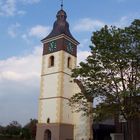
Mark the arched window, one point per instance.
(51, 61)
(47, 135)
(69, 62)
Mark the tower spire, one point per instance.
(62, 4)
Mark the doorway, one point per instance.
(47, 135)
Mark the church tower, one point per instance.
(55, 119)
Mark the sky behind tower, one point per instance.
(23, 23)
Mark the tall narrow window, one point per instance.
(51, 61)
(69, 62)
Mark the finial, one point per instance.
(61, 4)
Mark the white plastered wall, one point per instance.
(50, 85)
(49, 110)
(82, 128)
(45, 63)
(67, 115)
(51, 79)
(56, 81)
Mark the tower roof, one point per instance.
(61, 26)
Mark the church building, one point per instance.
(55, 118)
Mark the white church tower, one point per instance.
(55, 119)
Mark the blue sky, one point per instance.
(23, 23)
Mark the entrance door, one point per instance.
(47, 135)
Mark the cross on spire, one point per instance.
(61, 4)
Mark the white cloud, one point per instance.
(126, 20)
(21, 68)
(84, 43)
(30, 1)
(19, 87)
(26, 38)
(13, 30)
(82, 55)
(39, 31)
(88, 24)
(9, 7)
(21, 12)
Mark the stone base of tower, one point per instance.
(55, 131)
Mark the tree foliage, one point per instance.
(111, 72)
(15, 131)
(29, 130)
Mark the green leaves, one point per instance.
(112, 71)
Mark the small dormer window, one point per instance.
(51, 61)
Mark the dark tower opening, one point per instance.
(69, 62)
(48, 120)
(51, 61)
(47, 135)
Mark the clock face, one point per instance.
(69, 47)
(52, 46)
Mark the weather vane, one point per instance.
(61, 4)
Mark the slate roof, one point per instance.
(61, 26)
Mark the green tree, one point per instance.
(29, 130)
(112, 74)
(13, 129)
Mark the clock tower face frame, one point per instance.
(58, 45)
(69, 47)
(52, 46)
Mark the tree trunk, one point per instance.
(91, 119)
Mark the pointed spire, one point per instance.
(61, 26)
(62, 5)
